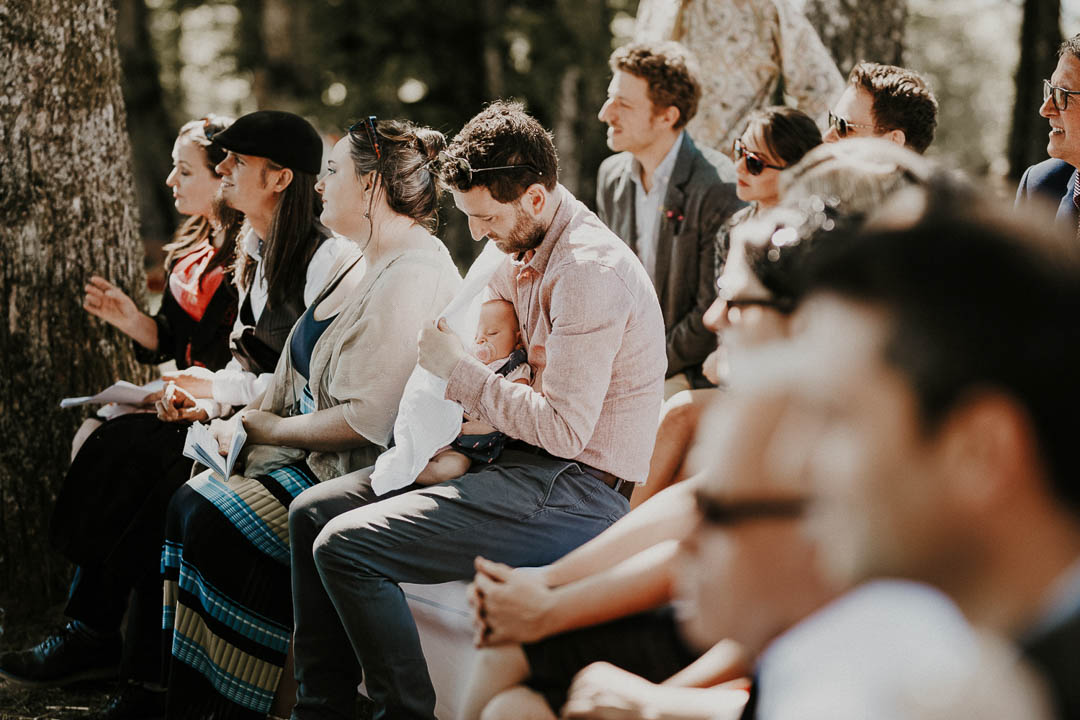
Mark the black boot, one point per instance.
(133, 702)
(72, 655)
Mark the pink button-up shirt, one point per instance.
(592, 325)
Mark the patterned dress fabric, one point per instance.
(746, 49)
(228, 617)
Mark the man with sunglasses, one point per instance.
(1055, 180)
(885, 101)
(585, 430)
(665, 197)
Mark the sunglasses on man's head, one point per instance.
(373, 135)
(843, 125)
(459, 173)
(728, 512)
(755, 165)
(1059, 94)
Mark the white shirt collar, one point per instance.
(1060, 602)
(663, 171)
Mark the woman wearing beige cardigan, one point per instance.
(329, 410)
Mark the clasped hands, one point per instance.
(510, 605)
(177, 402)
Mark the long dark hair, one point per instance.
(294, 235)
(199, 228)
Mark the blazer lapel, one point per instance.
(674, 202)
(1067, 213)
(625, 207)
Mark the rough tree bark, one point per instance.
(67, 208)
(1040, 36)
(855, 30)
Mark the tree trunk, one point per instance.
(1040, 36)
(67, 208)
(855, 30)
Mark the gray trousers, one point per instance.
(350, 550)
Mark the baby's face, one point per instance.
(497, 331)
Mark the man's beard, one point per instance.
(219, 198)
(526, 234)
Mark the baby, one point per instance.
(497, 345)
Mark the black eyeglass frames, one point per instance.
(1060, 95)
(843, 125)
(755, 165)
(373, 135)
(727, 512)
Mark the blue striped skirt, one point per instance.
(228, 601)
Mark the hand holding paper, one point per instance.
(177, 405)
(203, 446)
(121, 392)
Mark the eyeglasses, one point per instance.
(726, 513)
(842, 125)
(782, 305)
(1060, 95)
(459, 173)
(755, 165)
(373, 135)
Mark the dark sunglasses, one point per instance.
(1060, 95)
(373, 135)
(843, 125)
(754, 163)
(726, 513)
(782, 305)
(458, 172)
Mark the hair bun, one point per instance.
(431, 142)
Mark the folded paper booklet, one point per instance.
(202, 447)
(121, 392)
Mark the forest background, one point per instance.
(93, 91)
(77, 161)
(437, 63)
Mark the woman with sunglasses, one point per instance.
(775, 138)
(328, 410)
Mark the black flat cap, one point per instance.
(287, 139)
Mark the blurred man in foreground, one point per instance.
(943, 421)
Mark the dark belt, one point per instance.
(614, 482)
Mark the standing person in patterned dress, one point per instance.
(750, 48)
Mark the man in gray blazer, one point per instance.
(665, 197)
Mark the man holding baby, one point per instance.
(580, 435)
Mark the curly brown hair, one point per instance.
(671, 72)
(902, 100)
(501, 136)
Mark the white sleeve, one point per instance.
(323, 261)
(235, 386)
